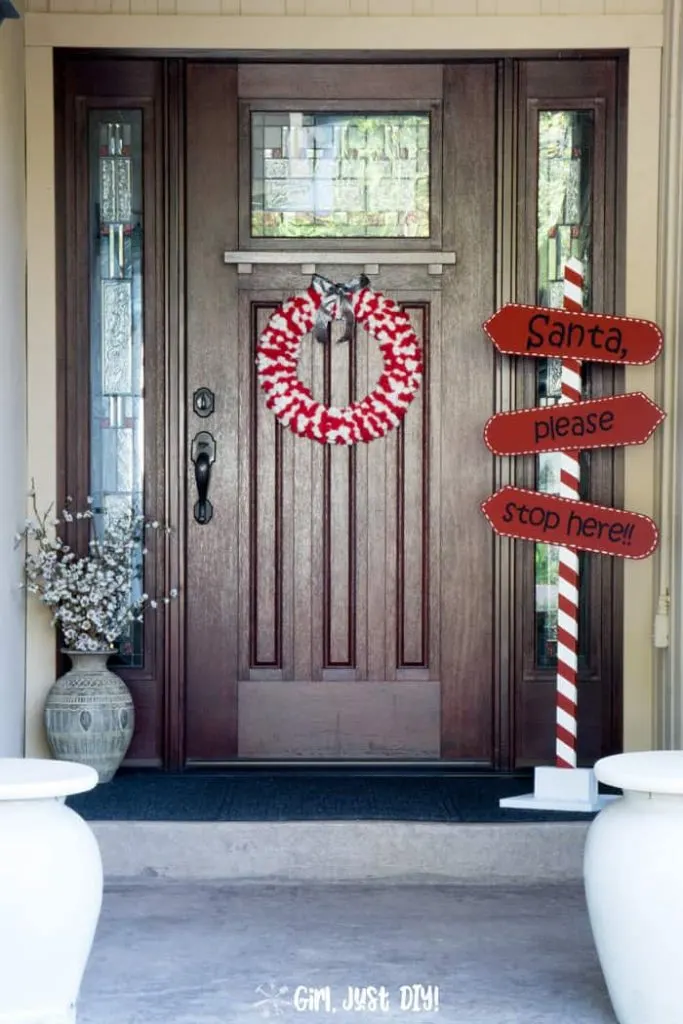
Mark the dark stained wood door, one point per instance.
(339, 600)
(341, 604)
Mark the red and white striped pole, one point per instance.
(568, 595)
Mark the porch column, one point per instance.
(668, 632)
(12, 382)
(42, 358)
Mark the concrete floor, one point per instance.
(174, 953)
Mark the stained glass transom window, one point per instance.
(340, 175)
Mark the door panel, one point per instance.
(319, 588)
(334, 542)
(469, 722)
(211, 589)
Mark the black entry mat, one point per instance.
(308, 796)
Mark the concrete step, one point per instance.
(343, 851)
(206, 953)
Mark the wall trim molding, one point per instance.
(433, 34)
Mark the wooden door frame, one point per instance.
(599, 89)
(166, 493)
(81, 85)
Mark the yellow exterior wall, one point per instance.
(239, 26)
(12, 382)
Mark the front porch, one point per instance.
(228, 891)
(217, 953)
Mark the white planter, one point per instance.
(50, 890)
(633, 873)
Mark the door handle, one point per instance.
(202, 474)
(203, 456)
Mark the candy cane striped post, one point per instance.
(568, 597)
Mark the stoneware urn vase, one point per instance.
(633, 874)
(50, 890)
(89, 714)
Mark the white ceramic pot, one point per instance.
(50, 890)
(633, 873)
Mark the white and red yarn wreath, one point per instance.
(364, 420)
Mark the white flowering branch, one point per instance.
(90, 596)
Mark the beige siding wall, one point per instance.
(12, 382)
(334, 8)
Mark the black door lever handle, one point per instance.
(203, 456)
(202, 474)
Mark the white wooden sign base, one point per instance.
(561, 789)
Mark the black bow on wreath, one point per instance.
(336, 305)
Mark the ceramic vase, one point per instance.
(50, 891)
(89, 714)
(633, 873)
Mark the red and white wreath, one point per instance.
(290, 399)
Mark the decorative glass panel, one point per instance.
(564, 224)
(116, 338)
(339, 175)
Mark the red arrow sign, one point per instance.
(528, 515)
(598, 423)
(519, 330)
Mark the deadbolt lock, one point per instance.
(203, 402)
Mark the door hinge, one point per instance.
(661, 630)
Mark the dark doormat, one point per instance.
(281, 795)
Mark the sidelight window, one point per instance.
(116, 319)
(564, 228)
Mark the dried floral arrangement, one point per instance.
(92, 596)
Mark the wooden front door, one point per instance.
(340, 603)
(339, 600)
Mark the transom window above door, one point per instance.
(358, 172)
(340, 175)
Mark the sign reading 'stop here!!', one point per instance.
(517, 329)
(549, 519)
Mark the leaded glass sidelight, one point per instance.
(116, 320)
(564, 226)
(340, 175)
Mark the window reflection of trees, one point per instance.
(564, 229)
(340, 175)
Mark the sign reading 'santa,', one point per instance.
(529, 515)
(519, 330)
